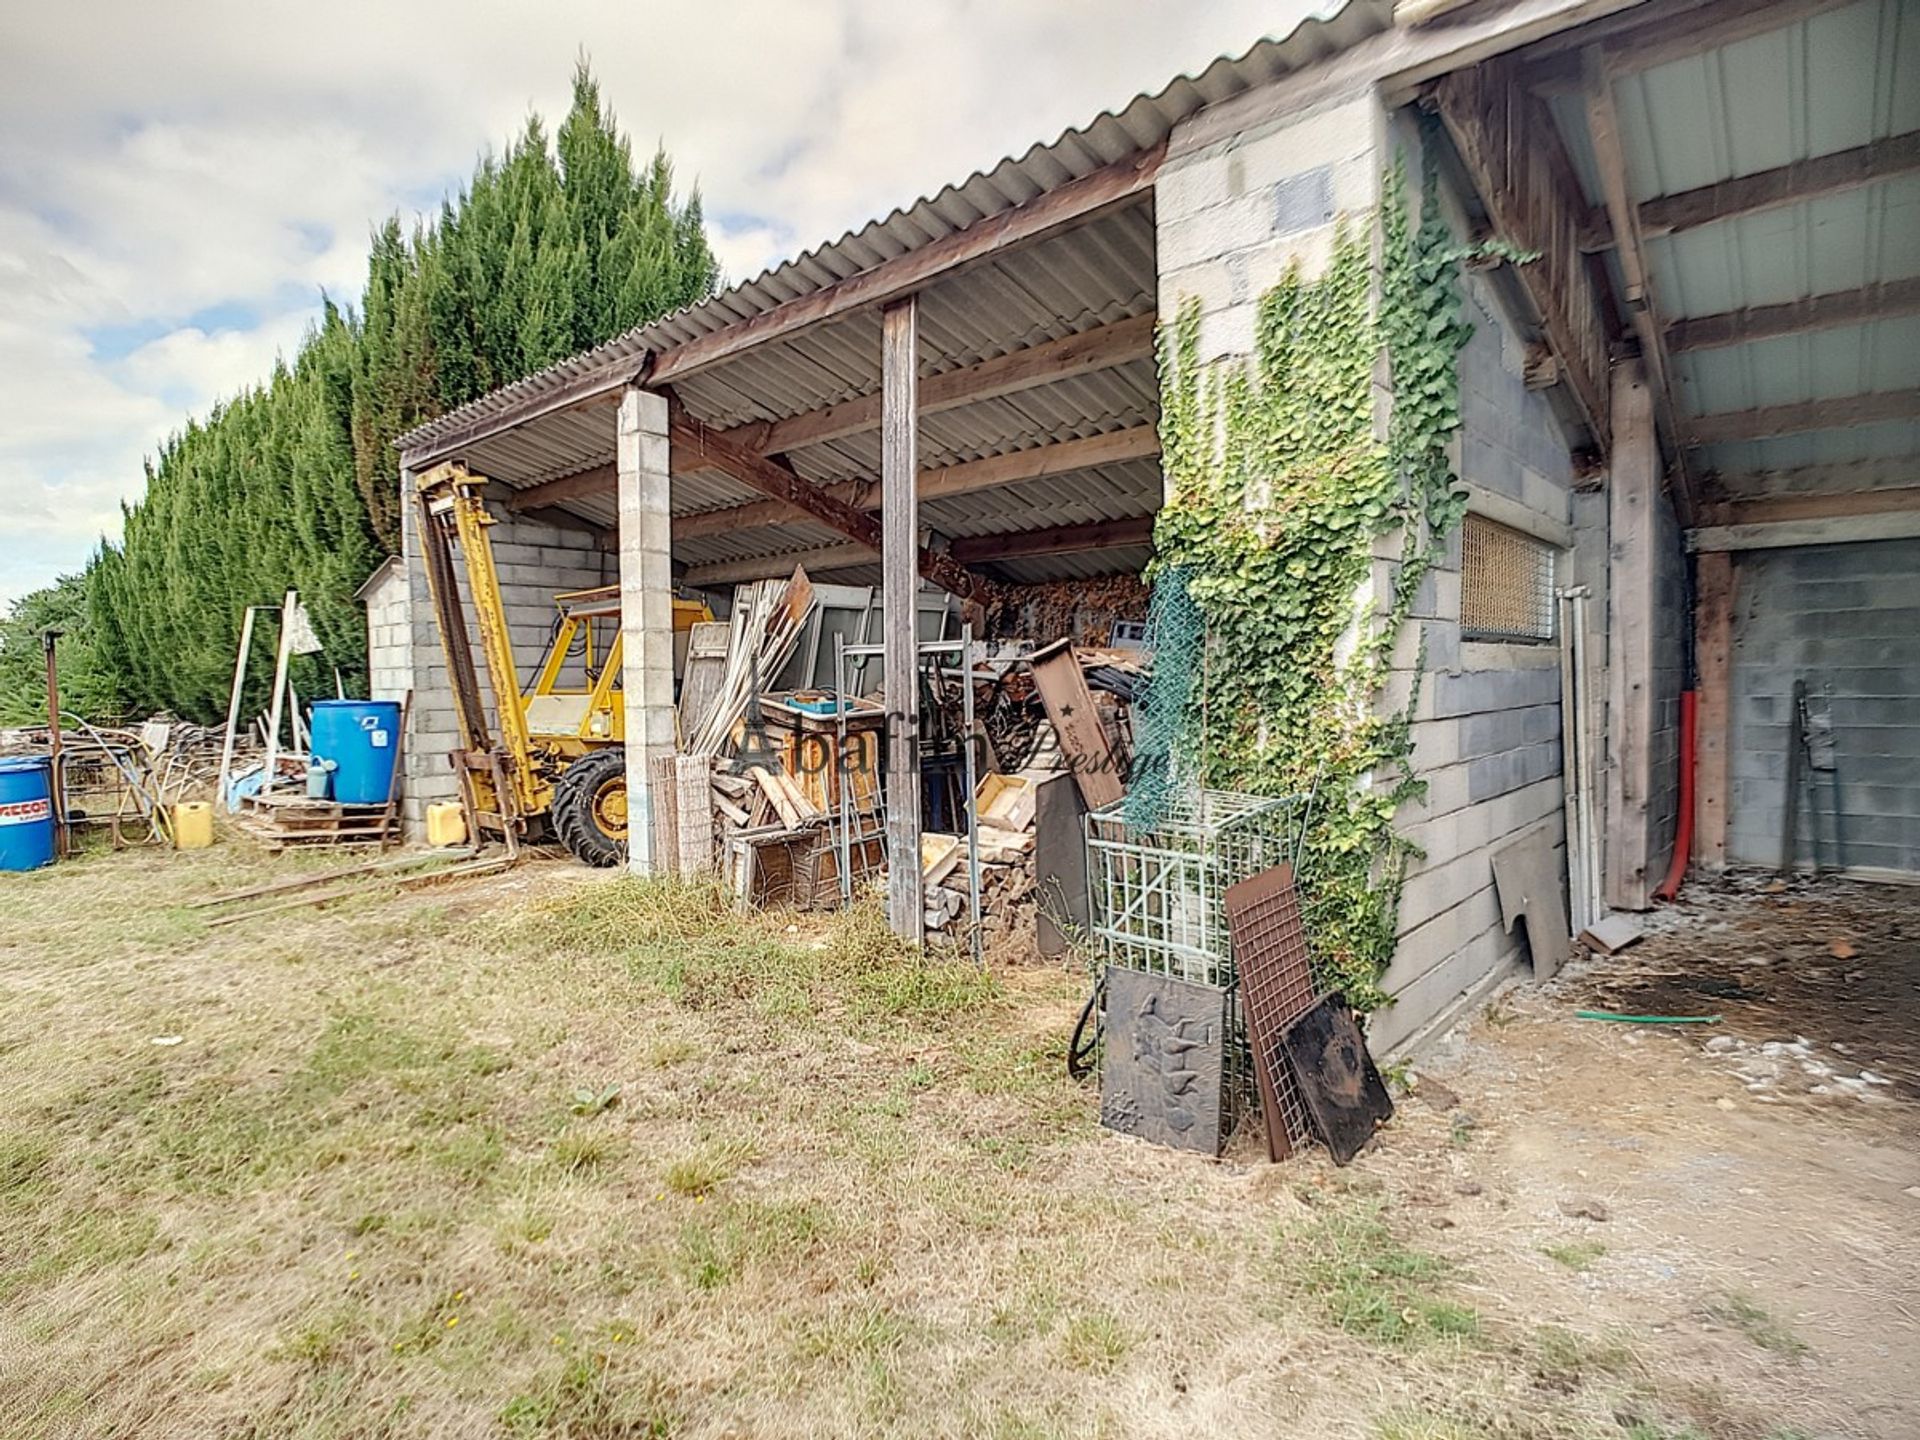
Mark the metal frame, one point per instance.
(963, 647)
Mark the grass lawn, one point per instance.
(557, 1154)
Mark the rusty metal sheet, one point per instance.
(1083, 740)
(1276, 988)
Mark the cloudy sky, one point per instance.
(180, 182)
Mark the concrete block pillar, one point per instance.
(1254, 187)
(646, 606)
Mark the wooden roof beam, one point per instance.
(709, 449)
(600, 480)
(1785, 185)
(1101, 348)
(1057, 540)
(1603, 127)
(1767, 421)
(1776, 509)
(1136, 443)
(1659, 34)
(1795, 317)
(1072, 204)
(970, 550)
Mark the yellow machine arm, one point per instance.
(452, 512)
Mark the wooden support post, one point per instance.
(643, 456)
(1713, 651)
(900, 576)
(1634, 490)
(281, 656)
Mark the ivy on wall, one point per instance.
(1279, 493)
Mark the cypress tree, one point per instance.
(550, 248)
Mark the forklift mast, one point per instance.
(500, 780)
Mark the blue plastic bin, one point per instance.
(360, 738)
(26, 812)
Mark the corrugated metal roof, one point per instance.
(1143, 122)
(1827, 83)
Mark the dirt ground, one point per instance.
(553, 1154)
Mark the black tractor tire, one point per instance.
(590, 808)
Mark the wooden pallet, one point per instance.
(283, 820)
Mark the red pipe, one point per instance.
(1683, 829)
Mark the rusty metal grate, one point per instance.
(1276, 988)
(1506, 582)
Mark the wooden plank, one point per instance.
(1770, 420)
(1138, 442)
(1509, 145)
(1796, 317)
(1076, 720)
(899, 469)
(1713, 651)
(1633, 491)
(1840, 530)
(1785, 185)
(1603, 129)
(709, 449)
(1090, 351)
(770, 567)
(1056, 540)
(1659, 34)
(598, 480)
(1074, 203)
(1093, 350)
(1772, 509)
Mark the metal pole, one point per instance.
(973, 819)
(284, 654)
(843, 831)
(56, 782)
(1796, 741)
(233, 703)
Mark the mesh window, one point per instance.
(1506, 583)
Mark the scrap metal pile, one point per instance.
(781, 790)
(125, 780)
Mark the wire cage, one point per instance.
(1157, 896)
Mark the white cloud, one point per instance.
(179, 183)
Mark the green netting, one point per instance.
(1165, 730)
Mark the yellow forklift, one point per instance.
(558, 767)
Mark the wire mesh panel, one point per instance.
(1506, 582)
(1276, 988)
(1157, 896)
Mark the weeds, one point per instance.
(1747, 1315)
(1576, 1255)
(1370, 1284)
(686, 939)
(1095, 1343)
(697, 1174)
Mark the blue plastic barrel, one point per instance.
(26, 812)
(360, 737)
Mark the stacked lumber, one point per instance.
(768, 621)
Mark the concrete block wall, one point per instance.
(389, 636)
(535, 561)
(1487, 729)
(1846, 619)
(1233, 214)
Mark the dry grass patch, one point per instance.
(559, 1154)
